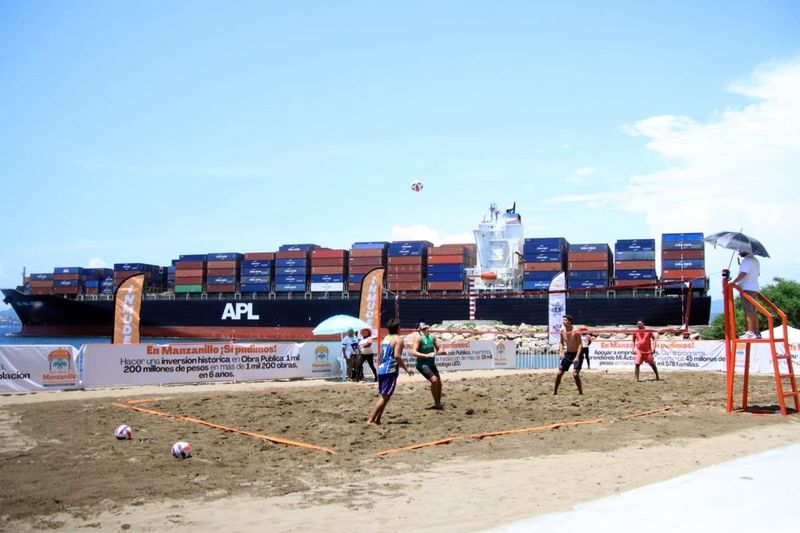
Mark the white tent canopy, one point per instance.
(794, 333)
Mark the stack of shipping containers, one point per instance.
(95, 278)
(407, 261)
(365, 256)
(68, 281)
(256, 272)
(543, 259)
(153, 275)
(635, 262)
(328, 270)
(446, 267)
(683, 259)
(590, 265)
(222, 272)
(40, 283)
(292, 267)
(190, 274)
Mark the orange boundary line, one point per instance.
(448, 440)
(651, 412)
(275, 440)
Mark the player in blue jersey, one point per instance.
(389, 359)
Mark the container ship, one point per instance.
(502, 276)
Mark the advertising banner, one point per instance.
(371, 294)
(557, 303)
(156, 364)
(127, 305)
(35, 368)
(506, 354)
(461, 355)
(677, 354)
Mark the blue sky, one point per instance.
(138, 131)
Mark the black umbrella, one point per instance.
(734, 240)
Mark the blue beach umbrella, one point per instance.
(340, 324)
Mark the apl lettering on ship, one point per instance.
(502, 276)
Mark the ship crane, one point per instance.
(499, 242)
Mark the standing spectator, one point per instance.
(351, 354)
(569, 345)
(389, 359)
(644, 349)
(747, 280)
(586, 340)
(367, 352)
(425, 349)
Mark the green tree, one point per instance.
(783, 293)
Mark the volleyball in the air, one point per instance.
(181, 450)
(416, 185)
(123, 432)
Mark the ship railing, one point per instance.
(537, 357)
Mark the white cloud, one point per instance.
(3, 275)
(96, 262)
(738, 170)
(421, 232)
(579, 177)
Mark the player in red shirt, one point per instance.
(644, 348)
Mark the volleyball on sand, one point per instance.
(182, 450)
(123, 432)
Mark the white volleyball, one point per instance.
(123, 432)
(416, 185)
(182, 450)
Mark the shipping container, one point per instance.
(327, 278)
(327, 253)
(355, 278)
(583, 283)
(289, 280)
(224, 256)
(536, 285)
(449, 259)
(633, 282)
(368, 252)
(589, 265)
(222, 264)
(68, 270)
(221, 280)
(602, 247)
(438, 269)
(635, 245)
(410, 286)
(327, 287)
(328, 270)
(297, 247)
(373, 245)
(589, 256)
(328, 262)
(399, 269)
(363, 269)
(543, 267)
(636, 274)
(634, 265)
(649, 255)
(701, 283)
(222, 272)
(188, 288)
(254, 287)
(670, 264)
(545, 245)
(257, 263)
(291, 271)
(683, 274)
(291, 255)
(683, 254)
(263, 256)
(290, 287)
(371, 261)
(409, 248)
(406, 260)
(255, 280)
(445, 276)
(189, 265)
(539, 276)
(405, 277)
(589, 274)
(221, 288)
(193, 273)
(41, 277)
(283, 263)
(267, 272)
(193, 257)
(446, 286)
(545, 257)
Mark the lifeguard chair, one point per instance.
(781, 360)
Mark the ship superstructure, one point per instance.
(499, 242)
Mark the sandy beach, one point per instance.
(61, 466)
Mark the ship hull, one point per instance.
(293, 319)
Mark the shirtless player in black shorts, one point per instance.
(569, 348)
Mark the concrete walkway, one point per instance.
(758, 493)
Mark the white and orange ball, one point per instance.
(416, 185)
(181, 450)
(123, 432)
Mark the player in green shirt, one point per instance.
(425, 349)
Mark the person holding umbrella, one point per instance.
(747, 280)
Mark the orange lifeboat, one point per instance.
(488, 275)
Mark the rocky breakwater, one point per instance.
(535, 338)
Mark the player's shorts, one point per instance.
(387, 383)
(747, 305)
(644, 357)
(427, 367)
(568, 360)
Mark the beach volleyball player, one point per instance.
(425, 348)
(389, 359)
